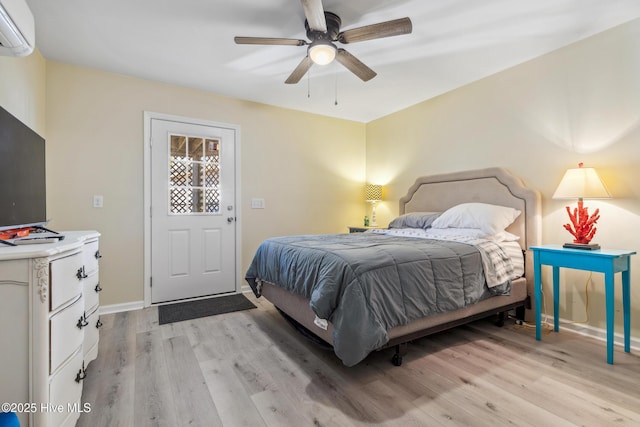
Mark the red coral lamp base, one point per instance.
(583, 228)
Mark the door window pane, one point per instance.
(194, 175)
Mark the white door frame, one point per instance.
(148, 116)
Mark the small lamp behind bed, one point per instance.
(582, 183)
(373, 194)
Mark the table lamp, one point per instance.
(581, 183)
(373, 194)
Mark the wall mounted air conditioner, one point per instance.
(17, 28)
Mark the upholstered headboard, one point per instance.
(437, 193)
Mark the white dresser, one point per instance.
(49, 326)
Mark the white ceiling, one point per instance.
(190, 43)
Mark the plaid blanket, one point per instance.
(498, 267)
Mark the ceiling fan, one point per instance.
(323, 29)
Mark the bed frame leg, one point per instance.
(401, 350)
(501, 318)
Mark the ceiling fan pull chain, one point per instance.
(309, 84)
(336, 101)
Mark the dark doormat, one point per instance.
(202, 308)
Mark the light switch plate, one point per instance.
(98, 201)
(257, 203)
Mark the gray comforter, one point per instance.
(366, 284)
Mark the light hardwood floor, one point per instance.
(251, 368)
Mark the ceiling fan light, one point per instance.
(322, 52)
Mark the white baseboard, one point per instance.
(118, 308)
(597, 333)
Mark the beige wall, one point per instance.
(308, 168)
(580, 103)
(577, 104)
(22, 89)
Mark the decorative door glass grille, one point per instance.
(194, 175)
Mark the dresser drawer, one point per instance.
(65, 280)
(66, 332)
(91, 256)
(91, 291)
(65, 388)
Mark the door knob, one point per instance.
(230, 219)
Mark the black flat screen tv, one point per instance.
(22, 175)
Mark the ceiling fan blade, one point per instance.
(314, 12)
(377, 31)
(269, 41)
(354, 65)
(300, 70)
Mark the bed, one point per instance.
(376, 295)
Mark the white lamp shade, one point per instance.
(372, 192)
(581, 183)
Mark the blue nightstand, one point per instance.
(607, 261)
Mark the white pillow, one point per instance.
(491, 219)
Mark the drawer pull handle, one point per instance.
(98, 288)
(98, 324)
(97, 255)
(82, 374)
(81, 274)
(82, 322)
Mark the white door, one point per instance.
(192, 210)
